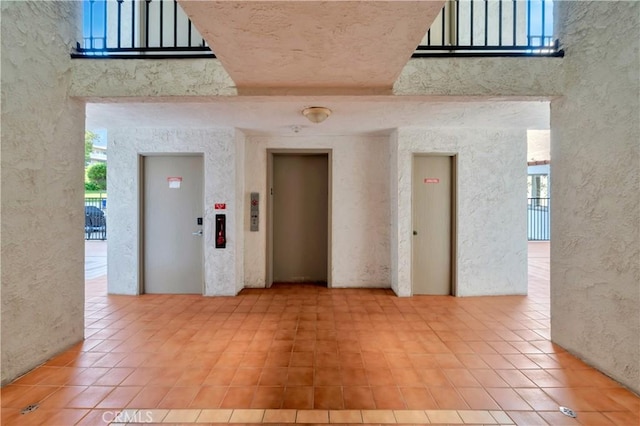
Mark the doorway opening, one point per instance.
(95, 211)
(539, 181)
(538, 201)
(434, 225)
(299, 218)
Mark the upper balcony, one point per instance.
(160, 29)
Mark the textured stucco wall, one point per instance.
(526, 78)
(219, 149)
(42, 186)
(242, 207)
(359, 200)
(491, 204)
(303, 44)
(538, 142)
(519, 77)
(595, 217)
(394, 231)
(131, 78)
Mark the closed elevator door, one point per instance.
(300, 217)
(432, 231)
(173, 240)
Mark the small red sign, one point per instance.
(431, 180)
(220, 206)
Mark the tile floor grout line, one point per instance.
(258, 416)
(492, 353)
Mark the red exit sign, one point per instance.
(431, 180)
(220, 206)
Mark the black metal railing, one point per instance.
(538, 219)
(95, 220)
(139, 28)
(492, 28)
(160, 29)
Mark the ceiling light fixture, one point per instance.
(316, 114)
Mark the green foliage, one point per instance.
(91, 186)
(89, 139)
(97, 174)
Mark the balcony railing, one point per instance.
(160, 29)
(538, 219)
(124, 29)
(492, 28)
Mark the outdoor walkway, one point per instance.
(307, 354)
(95, 260)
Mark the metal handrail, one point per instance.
(539, 219)
(490, 28)
(138, 29)
(160, 29)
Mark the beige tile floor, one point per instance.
(307, 354)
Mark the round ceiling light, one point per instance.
(316, 114)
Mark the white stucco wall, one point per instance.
(359, 200)
(220, 149)
(42, 186)
(94, 79)
(530, 78)
(595, 216)
(394, 231)
(131, 78)
(538, 145)
(491, 203)
(241, 208)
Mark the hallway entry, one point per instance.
(433, 227)
(299, 216)
(172, 234)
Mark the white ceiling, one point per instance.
(351, 115)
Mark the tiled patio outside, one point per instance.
(307, 354)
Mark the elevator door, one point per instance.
(300, 217)
(432, 209)
(173, 200)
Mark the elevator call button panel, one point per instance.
(254, 212)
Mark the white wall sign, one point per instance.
(174, 182)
